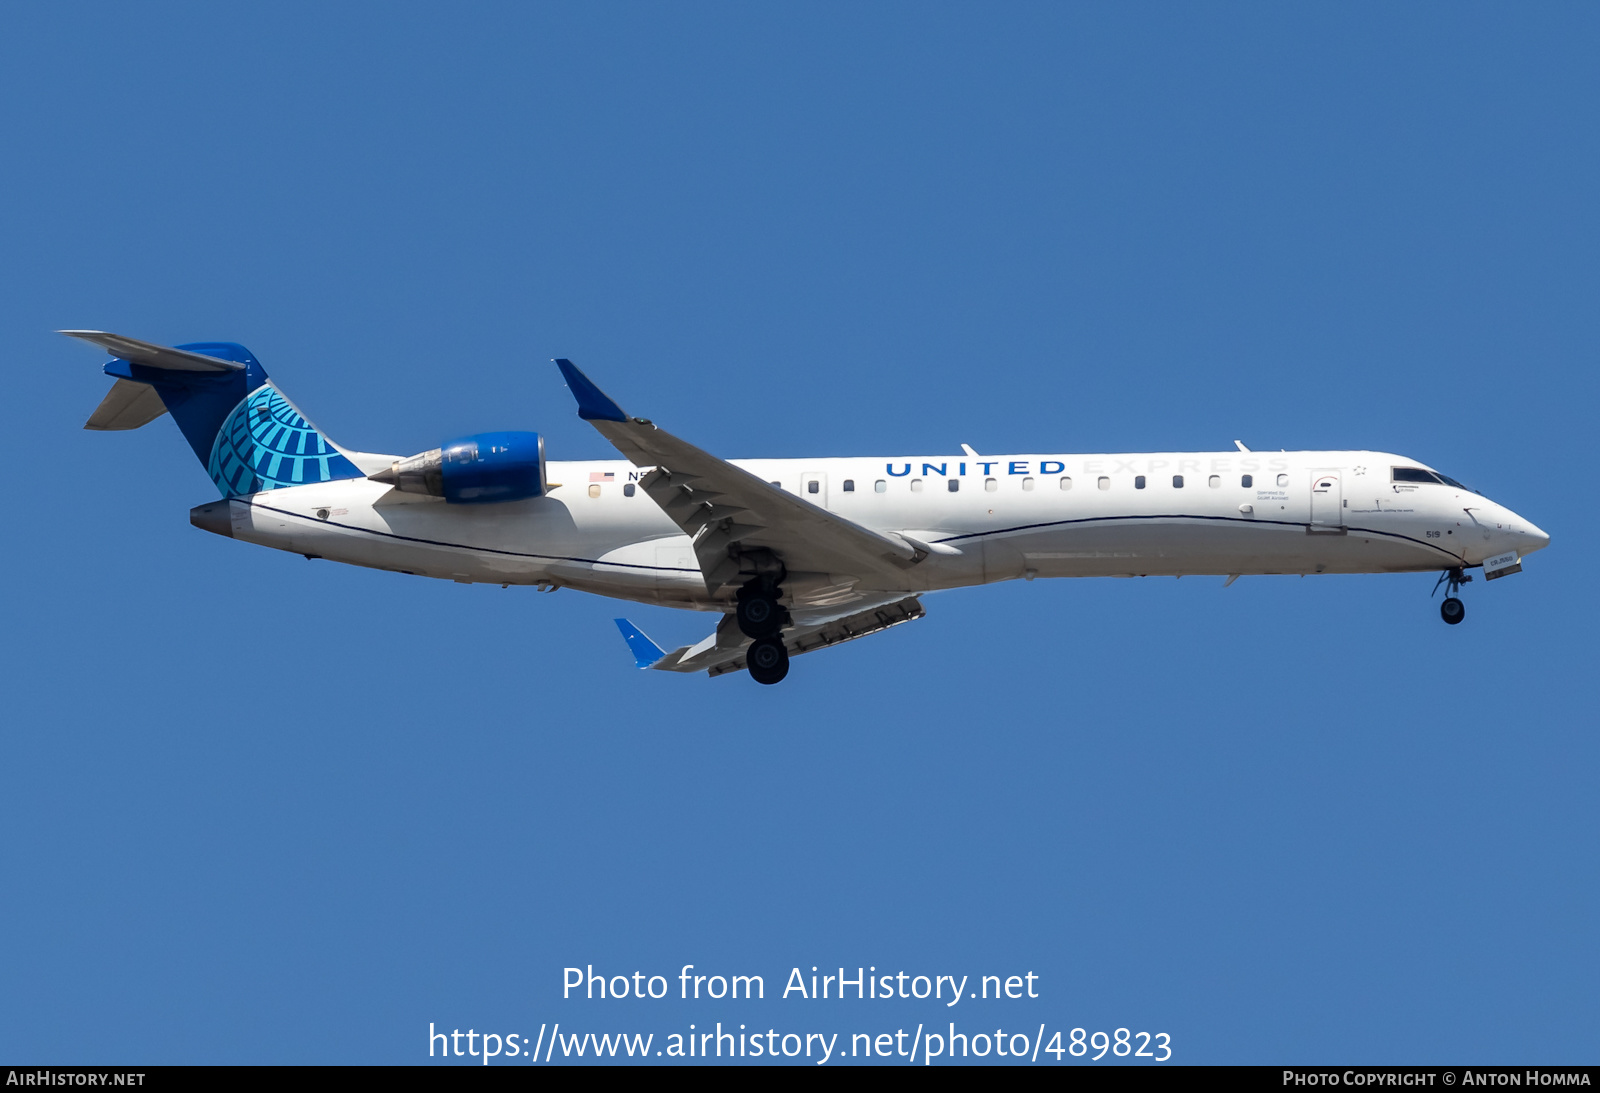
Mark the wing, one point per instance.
(730, 512)
(724, 650)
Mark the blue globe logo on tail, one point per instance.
(266, 444)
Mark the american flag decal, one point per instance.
(602, 476)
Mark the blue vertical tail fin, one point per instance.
(247, 435)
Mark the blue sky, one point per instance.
(260, 809)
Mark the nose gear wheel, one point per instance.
(1452, 610)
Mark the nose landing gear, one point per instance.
(1452, 610)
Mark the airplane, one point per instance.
(795, 554)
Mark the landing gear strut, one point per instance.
(1452, 610)
(767, 660)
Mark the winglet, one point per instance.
(593, 403)
(645, 652)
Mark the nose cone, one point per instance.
(1533, 538)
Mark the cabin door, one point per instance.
(1327, 500)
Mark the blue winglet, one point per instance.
(645, 652)
(593, 404)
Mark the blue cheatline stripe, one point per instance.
(681, 569)
(479, 549)
(1190, 516)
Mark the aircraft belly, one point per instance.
(1179, 547)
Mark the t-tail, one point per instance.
(247, 435)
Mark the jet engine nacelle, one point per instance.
(475, 470)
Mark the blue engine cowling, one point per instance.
(493, 467)
(475, 470)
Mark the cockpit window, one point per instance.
(1417, 474)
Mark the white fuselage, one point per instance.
(1003, 518)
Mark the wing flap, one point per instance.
(128, 405)
(724, 651)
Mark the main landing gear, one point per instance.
(759, 616)
(762, 617)
(1452, 610)
(758, 611)
(767, 660)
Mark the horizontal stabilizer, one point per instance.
(646, 653)
(128, 405)
(154, 356)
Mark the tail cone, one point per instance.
(217, 518)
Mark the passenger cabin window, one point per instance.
(916, 485)
(1066, 483)
(813, 486)
(1027, 483)
(627, 489)
(594, 490)
(1283, 480)
(880, 486)
(1138, 481)
(990, 485)
(849, 485)
(1177, 481)
(1215, 481)
(778, 484)
(1247, 480)
(955, 485)
(1104, 482)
